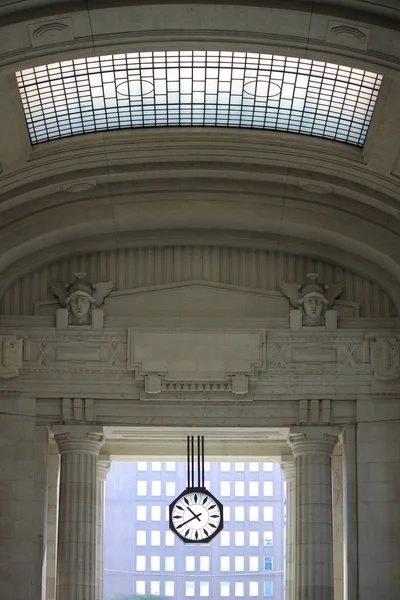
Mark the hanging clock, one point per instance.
(196, 516)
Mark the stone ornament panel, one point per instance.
(143, 267)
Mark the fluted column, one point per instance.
(76, 561)
(289, 473)
(312, 449)
(103, 467)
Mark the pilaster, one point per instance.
(289, 473)
(103, 468)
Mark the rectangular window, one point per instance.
(254, 489)
(268, 589)
(225, 488)
(224, 589)
(140, 587)
(156, 466)
(239, 488)
(253, 513)
(189, 588)
(253, 538)
(169, 563)
(204, 563)
(268, 488)
(156, 488)
(253, 588)
(140, 538)
(169, 538)
(225, 538)
(239, 467)
(239, 513)
(268, 562)
(170, 488)
(155, 588)
(268, 466)
(170, 466)
(239, 563)
(253, 563)
(253, 467)
(268, 538)
(190, 563)
(225, 563)
(239, 538)
(140, 563)
(141, 488)
(169, 589)
(155, 538)
(141, 513)
(239, 589)
(156, 513)
(225, 467)
(268, 513)
(155, 563)
(204, 588)
(141, 466)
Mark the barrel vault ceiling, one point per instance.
(224, 185)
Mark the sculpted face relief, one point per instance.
(313, 309)
(80, 306)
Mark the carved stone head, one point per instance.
(312, 298)
(80, 297)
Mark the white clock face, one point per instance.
(196, 516)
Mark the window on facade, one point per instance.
(253, 588)
(239, 588)
(156, 466)
(189, 588)
(224, 589)
(156, 513)
(268, 589)
(155, 563)
(190, 563)
(225, 467)
(141, 513)
(253, 467)
(156, 488)
(268, 513)
(239, 513)
(253, 538)
(155, 588)
(169, 538)
(239, 563)
(239, 488)
(170, 488)
(204, 563)
(225, 563)
(204, 588)
(155, 538)
(253, 513)
(225, 488)
(253, 563)
(253, 488)
(141, 488)
(268, 538)
(239, 538)
(140, 587)
(140, 537)
(169, 589)
(268, 466)
(140, 563)
(225, 538)
(239, 467)
(268, 488)
(141, 466)
(268, 563)
(169, 563)
(170, 466)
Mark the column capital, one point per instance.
(288, 468)
(313, 440)
(103, 467)
(77, 440)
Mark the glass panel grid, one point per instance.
(198, 88)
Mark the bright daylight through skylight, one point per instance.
(198, 88)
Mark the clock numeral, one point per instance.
(212, 525)
(177, 517)
(195, 498)
(196, 535)
(205, 500)
(211, 507)
(180, 507)
(187, 532)
(214, 516)
(186, 500)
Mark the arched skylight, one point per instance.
(198, 88)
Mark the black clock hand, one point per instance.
(188, 521)
(197, 516)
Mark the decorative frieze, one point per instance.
(385, 358)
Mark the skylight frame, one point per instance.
(198, 88)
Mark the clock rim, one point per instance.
(193, 490)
